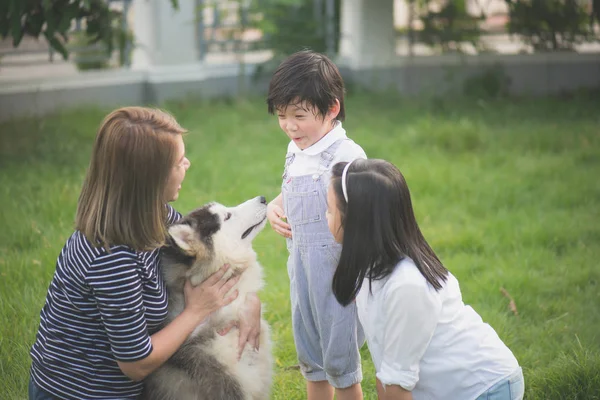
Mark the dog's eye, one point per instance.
(227, 216)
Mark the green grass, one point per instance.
(507, 193)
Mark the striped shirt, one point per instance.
(101, 307)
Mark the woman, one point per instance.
(101, 328)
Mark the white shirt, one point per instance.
(306, 162)
(430, 342)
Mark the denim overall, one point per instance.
(327, 335)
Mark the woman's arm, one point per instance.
(201, 301)
(248, 323)
(392, 392)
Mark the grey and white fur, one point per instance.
(206, 367)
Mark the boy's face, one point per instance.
(304, 125)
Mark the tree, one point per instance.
(448, 27)
(551, 25)
(54, 19)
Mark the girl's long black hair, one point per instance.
(380, 228)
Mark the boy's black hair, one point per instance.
(307, 76)
(380, 228)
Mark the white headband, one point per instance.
(344, 180)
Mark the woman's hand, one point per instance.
(248, 324)
(210, 295)
(277, 217)
(200, 301)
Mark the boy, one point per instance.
(307, 94)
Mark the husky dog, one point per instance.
(206, 367)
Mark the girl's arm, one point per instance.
(410, 311)
(392, 392)
(201, 301)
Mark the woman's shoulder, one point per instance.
(96, 252)
(172, 215)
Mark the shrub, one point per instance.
(293, 26)
(493, 82)
(450, 27)
(550, 25)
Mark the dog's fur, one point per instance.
(206, 366)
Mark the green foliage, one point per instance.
(450, 27)
(551, 25)
(293, 25)
(53, 19)
(88, 55)
(493, 82)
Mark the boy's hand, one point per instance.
(278, 220)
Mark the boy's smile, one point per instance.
(304, 125)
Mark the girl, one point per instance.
(99, 329)
(424, 341)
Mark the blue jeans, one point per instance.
(35, 393)
(511, 388)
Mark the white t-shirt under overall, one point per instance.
(306, 162)
(428, 341)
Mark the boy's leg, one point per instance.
(322, 390)
(306, 334)
(319, 390)
(340, 335)
(353, 392)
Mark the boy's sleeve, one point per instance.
(349, 151)
(117, 288)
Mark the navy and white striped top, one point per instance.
(101, 307)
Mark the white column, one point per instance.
(164, 36)
(367, 37)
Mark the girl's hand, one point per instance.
(210, 295)
(277, 218)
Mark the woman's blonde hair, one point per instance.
(122, 201)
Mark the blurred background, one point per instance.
(66, 52)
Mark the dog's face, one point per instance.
(213, 235)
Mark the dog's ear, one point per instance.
(184, 237)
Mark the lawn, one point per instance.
(507, 193)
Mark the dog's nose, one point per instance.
(263, 200)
